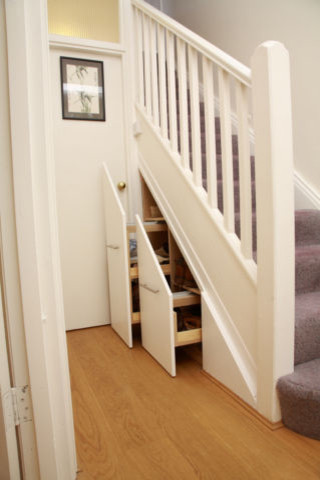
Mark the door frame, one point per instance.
(37, 226)
(37, 236)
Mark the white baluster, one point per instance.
(207, 69)
(183, 103)
(172, 92)
(195, 116)
(154, 74)
(139, 53)
(147, 73)
(244, 170)
(162, 82)
(226, 150)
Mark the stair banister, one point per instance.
(208, 90)
(172, 97)
(227, 86)
(225, 61)
(275, 220)
(183, 101)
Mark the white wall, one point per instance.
(163, 5)
(237, 27)
(80, 149)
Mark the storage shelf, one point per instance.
(185, 298)
(188, 337)
(166, 268)
(154, 226)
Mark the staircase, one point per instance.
(230, 204)
(299, 392)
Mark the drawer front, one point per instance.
(156, 305)
(118, 265)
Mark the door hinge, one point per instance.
(17, 406)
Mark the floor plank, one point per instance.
(133, 421)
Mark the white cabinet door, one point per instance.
(156, 305)
(118, 263)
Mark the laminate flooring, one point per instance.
(134, 422)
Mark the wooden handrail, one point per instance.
(225, 61)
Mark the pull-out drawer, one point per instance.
(159, 329)
(118, 263)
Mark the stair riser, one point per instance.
(307, 271)
(307, 227)
(307, 340)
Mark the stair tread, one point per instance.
(307, 268)
(307, 304)
(307, 227)
(302, 250)
(307, 327)
(305, 375)
(299, 394)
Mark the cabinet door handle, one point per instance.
(114, 247)
(146, 287)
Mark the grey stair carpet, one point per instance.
(299, 393)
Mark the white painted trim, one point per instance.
(128, 88)
(34, 188)
(12, 303)
(249, 266)
(81, 44)
(306, 196)
(223, 321)
(275, 221)
(242, 378)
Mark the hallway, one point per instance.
(133, 421)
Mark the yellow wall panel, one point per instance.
(91, 19)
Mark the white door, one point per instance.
(9, 458)
(80, 149)
(118, 262)
(156, 305)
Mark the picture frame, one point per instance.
(82, 89)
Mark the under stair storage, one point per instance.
(162, 303)
(214, 145)
(122, 259)
(145, 256)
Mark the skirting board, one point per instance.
(305, 195)
(251, 411)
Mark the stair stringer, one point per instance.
(227, 280)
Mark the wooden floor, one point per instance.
(133, 421)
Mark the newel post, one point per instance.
(275, 221)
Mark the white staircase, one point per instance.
(248, 297)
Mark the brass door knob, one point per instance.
(121, 186)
